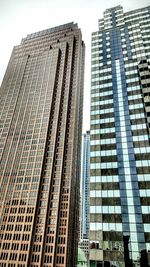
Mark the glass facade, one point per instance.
(85, 190)
(119, 150)
(85, 196)
(40, 142)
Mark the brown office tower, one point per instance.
(41, 118)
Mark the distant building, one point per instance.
(85, 196)
(120, 139)
(84, 245)
(85, 188)
(40, 144)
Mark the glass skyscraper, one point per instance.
(85, 187)
(85, 195)
(120, 140)
(40, 142)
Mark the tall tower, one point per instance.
(120, 139)
(85, 195)
(85, 187)
(41, 122)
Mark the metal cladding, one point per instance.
(41, 124)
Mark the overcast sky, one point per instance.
(21, 17)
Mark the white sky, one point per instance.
(21, 17)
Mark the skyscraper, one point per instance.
(41, 122)
(120, 144)
(85, 195)
(85, 190)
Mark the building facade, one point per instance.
(41, 125)
(84, 246)
(120, 140)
